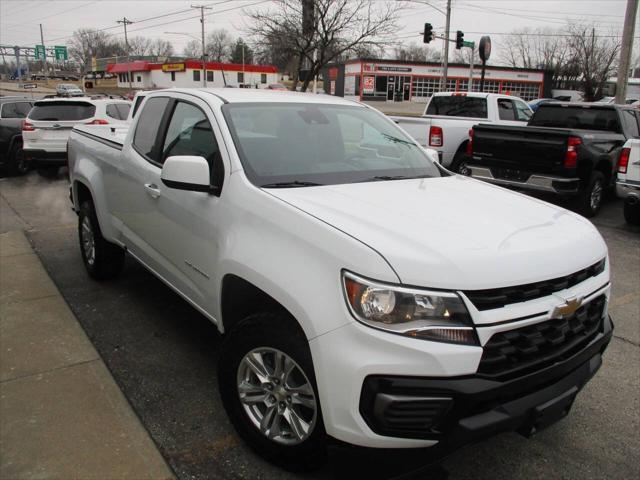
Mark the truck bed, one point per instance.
(108, 134)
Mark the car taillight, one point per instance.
(571, 157)
(98, 121)
(623, 162)
(27, 127)
(435, 136)
(469, 150)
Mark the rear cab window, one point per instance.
(586, 117)
(458, 106)
(62, 111)
(119, 111)
(15, 110)
(148, 126)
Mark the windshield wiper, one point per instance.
(294, 183)
(397, 140)
(392, 177)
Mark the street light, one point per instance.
(204, 55)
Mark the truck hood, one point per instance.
(455, 232)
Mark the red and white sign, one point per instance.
(368, 84)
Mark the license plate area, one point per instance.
(549, 413)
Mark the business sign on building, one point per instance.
(368, 84)
(387, 68)
(174, 67)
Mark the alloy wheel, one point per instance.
(88, 241)
(277, 396)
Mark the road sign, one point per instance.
(40, 54)
(28, 86)
(61, 52)
(469, 44)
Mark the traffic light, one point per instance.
(459, 39)
(428, 33)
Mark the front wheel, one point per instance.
(268, 389)
(102, 259)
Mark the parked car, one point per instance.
(364, 292)
(567, 149)
(446, 121)
(46, 129)
(628, 183)
(68, 90)
(12, 111)
(534, 104)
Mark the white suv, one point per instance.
(46, 129)
(69, 90)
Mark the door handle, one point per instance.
(152, 189)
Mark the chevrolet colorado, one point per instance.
(566, 149)
(448, 116)
(366, 294)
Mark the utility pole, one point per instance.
(44, 59)
(445, 66)
(126, 22)
(202, 8)
(625, 53)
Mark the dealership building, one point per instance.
(189, 73)
(402, 81)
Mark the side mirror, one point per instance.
(186, 172)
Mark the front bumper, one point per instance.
(44, 158)
(473, 407)
(541, 183)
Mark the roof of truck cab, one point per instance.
(247, 95)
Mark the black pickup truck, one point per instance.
(567, 149)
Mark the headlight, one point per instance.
(430, 315)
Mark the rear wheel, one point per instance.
(460, 163)
(268, 389)
(632, 213)
(102, 259)
(591, 197)
(18, 163)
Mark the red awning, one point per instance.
(137, 66)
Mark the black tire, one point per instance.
(591, 197)
(632, 213)
(270, 331)
(17, 164)
(48, 172)
(104, 260)
(460, 163)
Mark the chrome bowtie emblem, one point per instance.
(568, 308)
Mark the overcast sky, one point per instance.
(20, 19)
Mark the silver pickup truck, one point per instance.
(448, 117)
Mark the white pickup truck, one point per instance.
(366, 294)
(449, 117)
(628, 180)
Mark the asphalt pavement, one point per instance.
(163, 356)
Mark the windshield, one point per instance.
(298, 145)
(579, 117)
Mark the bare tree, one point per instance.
(317, 32)
(415, 53)
(596, 56)
(241, 52)
(161, 48)
(139, 46)
(581, 59)
(87, 43)
(219, 45)
(193, 49)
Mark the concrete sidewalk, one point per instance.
(62, 415)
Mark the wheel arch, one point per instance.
(240, 298)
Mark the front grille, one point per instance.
(530, 348)
(499, 297)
